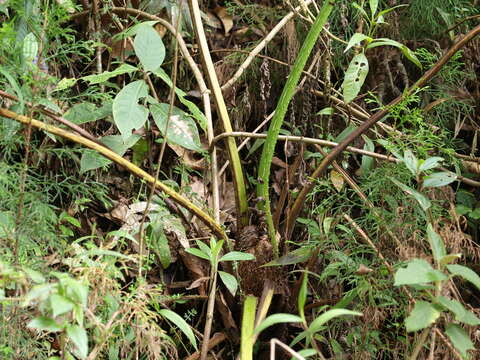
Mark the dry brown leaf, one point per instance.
(225, 18)
(337, 180)
(472, 167)
(363, 270)
(188, 157)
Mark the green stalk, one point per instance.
(248, 326)
(280, 111)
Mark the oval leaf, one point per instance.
(182, 130)
(149, 48)
(422, 315)
(355, 77)
(127, 113)
(78, 335)
(439, 179)
(229, 281)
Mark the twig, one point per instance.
(135, 170)
(297, 206)
(287, 348)
(55, 117)
(216, 339)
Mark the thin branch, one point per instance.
(298, 205)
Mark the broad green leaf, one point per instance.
(92, 160)
(373, 6)
(409, 54)
(461, 314)
(30, 48)
(44, 323)
(85, 112)
(39, 293)
(326, 111)
(430, 163)
(459, 339)
(65, 83)
(475, 214)
(181, 324)
(367, 161)
(100, 78)
(418, 271)
(196, 113)
(160, 243)
(197, 252)
(465, 273)
(436, 243)
(423, 315)
(132, 31)
(118, 144)
(181, 128)
(204, 247)
(34, 275)
(421, 199)
(127, 113)
(439, 179)
(277, 319)
(76, 290)
(296, 256)
(60, 305)
(355, 77)
(229, 281)
(447, 259)
(410, 161)
(237, 256)
(356, 39)
(149, 48)
(78, 335)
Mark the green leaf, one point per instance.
(78, 335)
(197, 114)
(302, 296)
(439, 179)
(181, 324)
(356, 39)
(197, 252)
(39, 293)
(465, 273)
(459, 339)
(410, 161)
(461, 314)
(418, 271)
(421, 199)
(277, 319)
(100, 78)
(447, 259)
(373, 6)
(160, 243)
(409, 54)
(44, 323)
(317, 324)
(60, 305)
(149, 48)
(367, 161)
(247, 331)
(296, 256)
(436, 243)
(229, 281)
(204, 247)
(127, 113)
(181, 128)
(422, 316)
(355, 77)
(82, 113)
(92, 160)
(30, 48)
(430, 163)
(237, 256)
(359, 8)
(326, 111)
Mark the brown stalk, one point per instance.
(298, 205)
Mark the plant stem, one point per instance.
(419, 344)
(277, 121)
(209, 316)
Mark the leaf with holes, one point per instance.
(127, 113)
(181, 127)
(355, 77)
